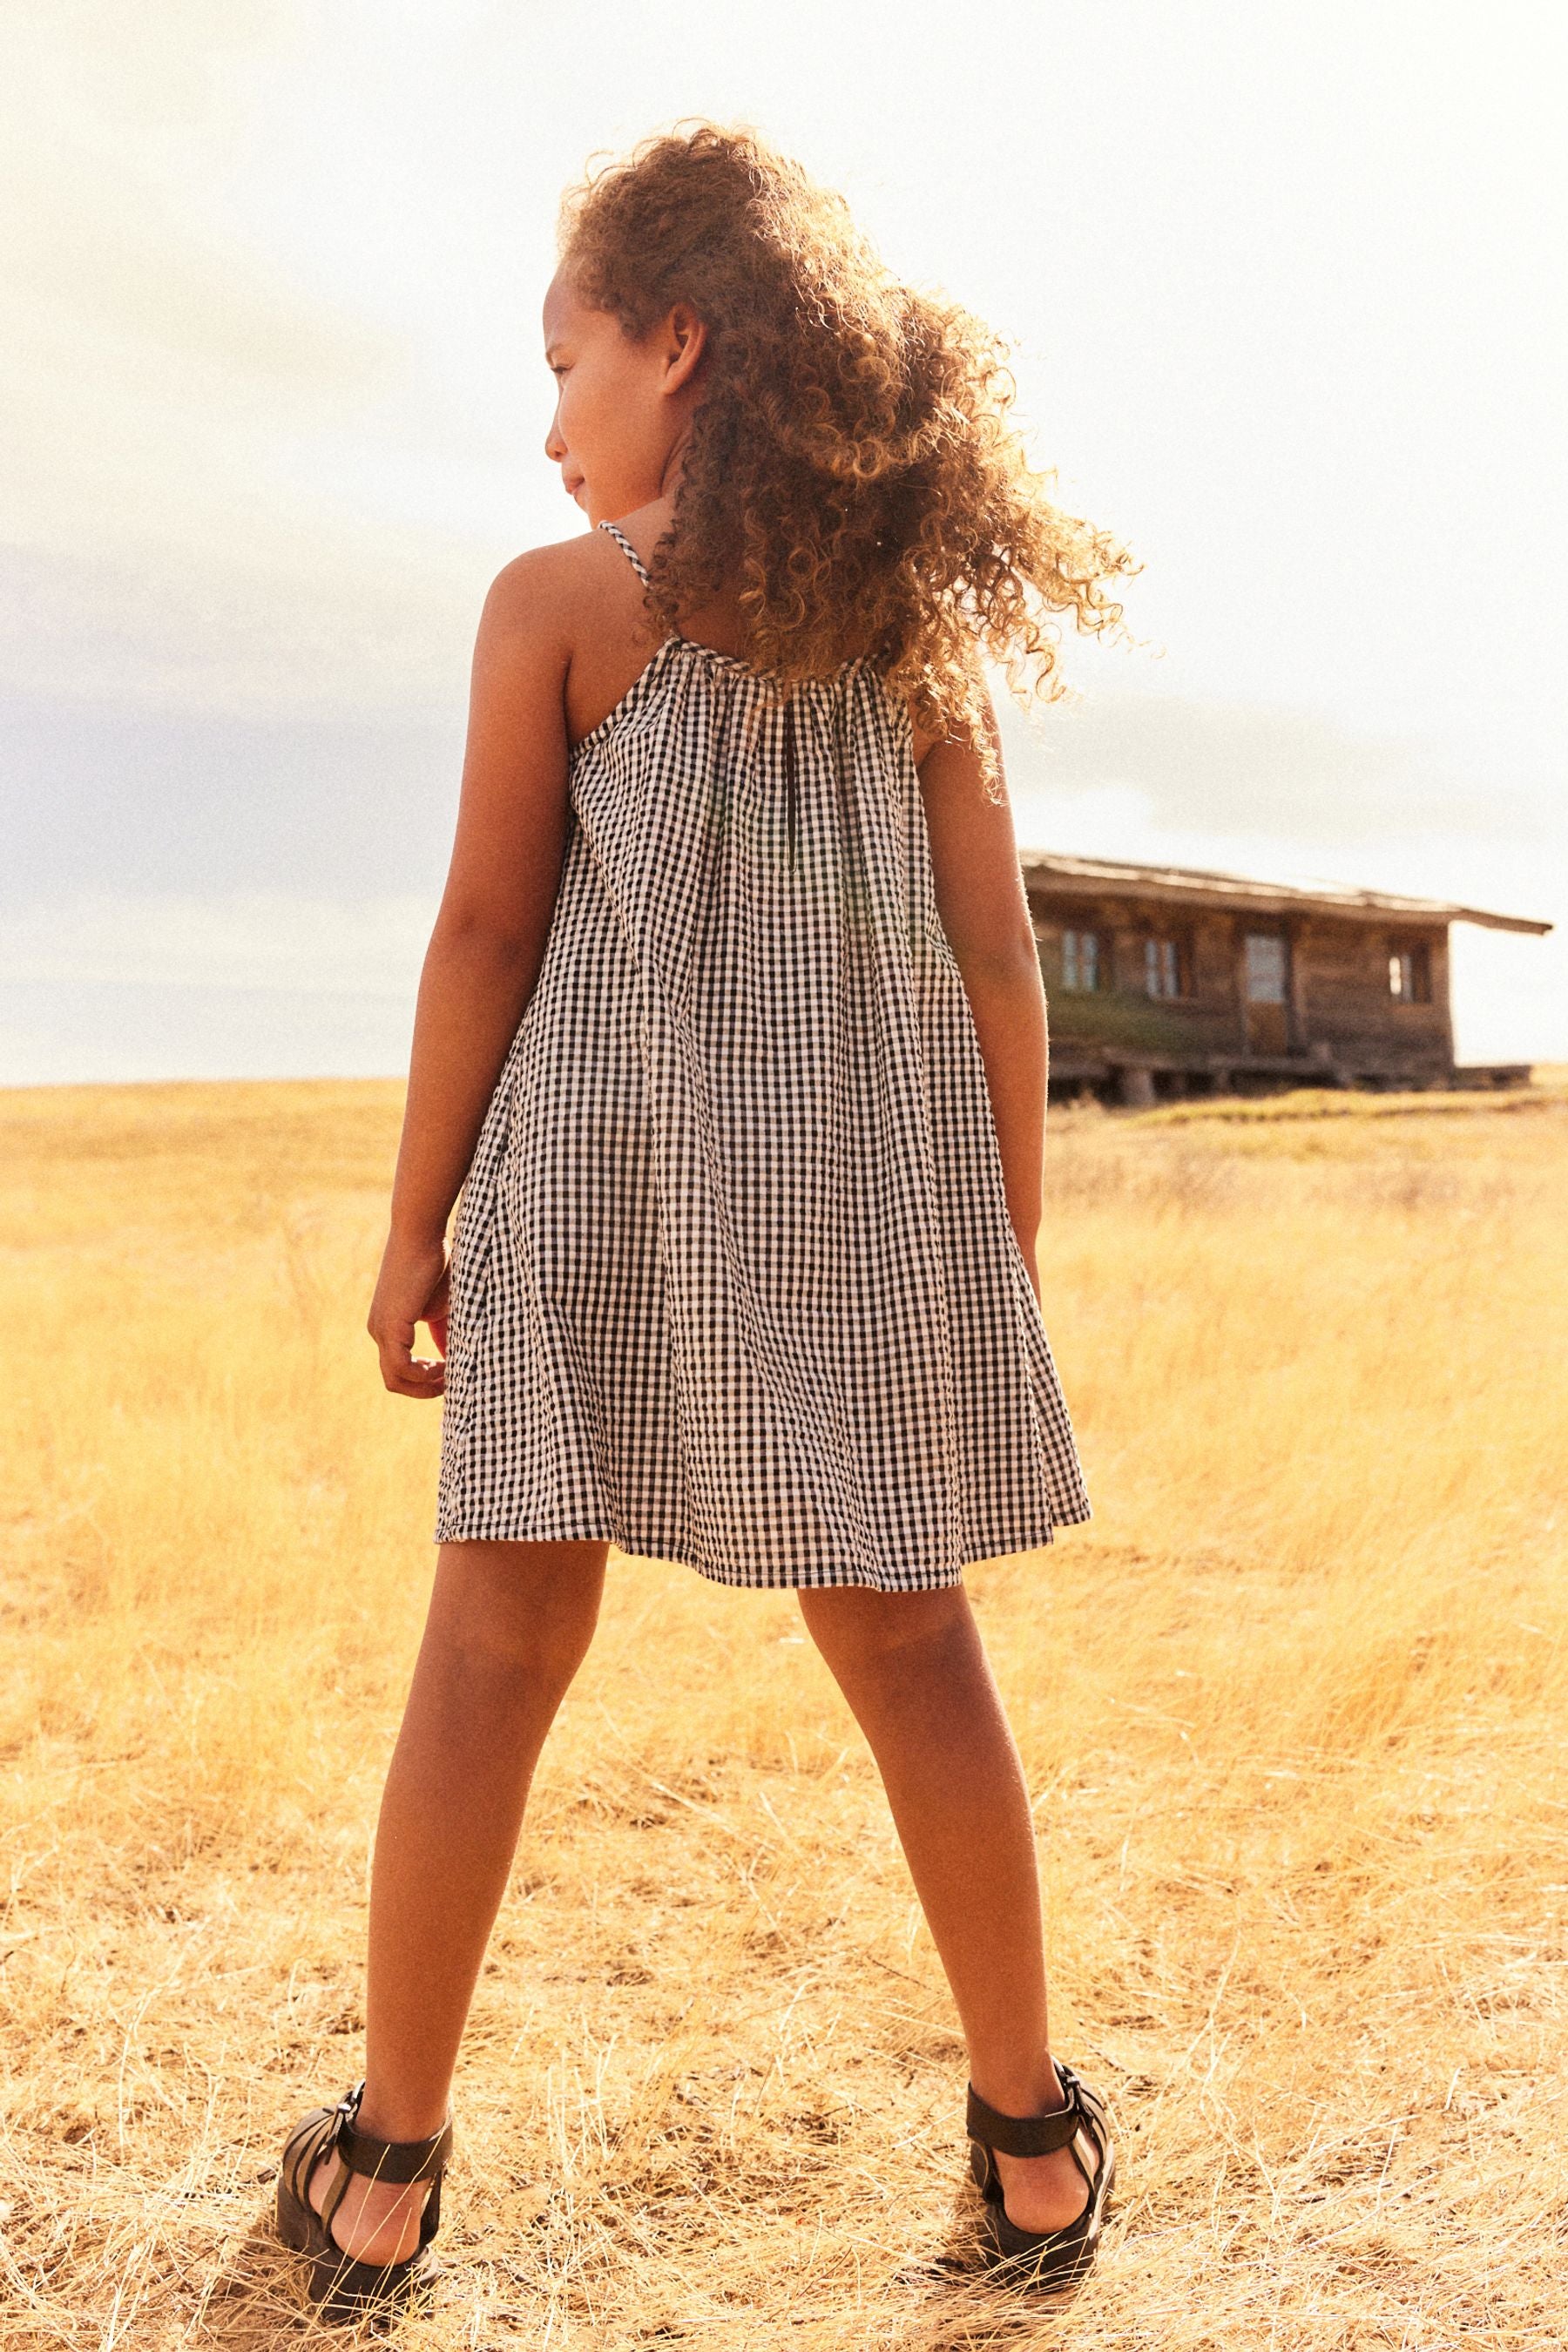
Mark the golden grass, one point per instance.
(1547, 1093)
(1292, 1706)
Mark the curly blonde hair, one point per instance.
(851, 464)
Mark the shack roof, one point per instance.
(1190, 885)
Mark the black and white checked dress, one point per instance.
(734, 1281)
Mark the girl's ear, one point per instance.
(686, 340)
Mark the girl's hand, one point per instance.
(411, 1288)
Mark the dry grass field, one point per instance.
(1292, 1706)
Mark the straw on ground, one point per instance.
(1293, 1707)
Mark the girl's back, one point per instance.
(734, 1281)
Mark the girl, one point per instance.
(732, 1034)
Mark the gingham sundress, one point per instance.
(734, 1281)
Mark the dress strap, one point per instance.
(639, 566)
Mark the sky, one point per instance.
(1283, 295)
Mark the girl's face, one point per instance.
(623, 410)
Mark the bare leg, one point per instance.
(915, 1673)
(508, 1625)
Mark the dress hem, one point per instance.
(785, 1580)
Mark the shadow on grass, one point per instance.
(259, 2296)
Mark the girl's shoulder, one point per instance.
(564, 579)
(578, 603)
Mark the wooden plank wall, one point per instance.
(1338, 991)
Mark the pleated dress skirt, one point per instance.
(734, 1281)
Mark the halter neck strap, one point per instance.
(639, 566)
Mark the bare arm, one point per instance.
(985, 913)
(486, 946)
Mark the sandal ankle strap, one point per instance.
(1024, 2134)
(399, 2161)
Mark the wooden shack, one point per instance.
(1166, 980)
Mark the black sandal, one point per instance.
(1049, 2258)
(342, 2287)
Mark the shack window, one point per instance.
(1164, 968)
(1265, 968)
(1082, 963)
(1410, 974)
